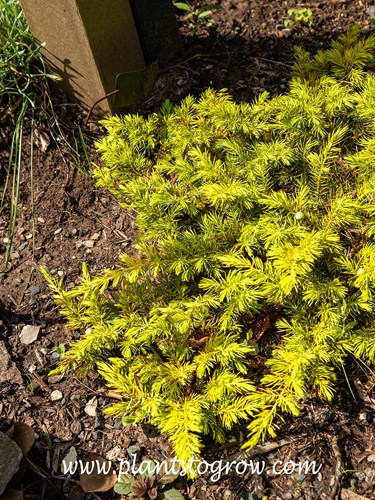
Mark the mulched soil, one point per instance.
(245, 51)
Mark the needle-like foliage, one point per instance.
(246, 212)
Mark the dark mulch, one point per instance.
(247, 52)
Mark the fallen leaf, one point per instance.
(24, 436)
(101, 477)
(13, 495)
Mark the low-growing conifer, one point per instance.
(245, 213)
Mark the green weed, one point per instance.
(197, 16)
(299, 17)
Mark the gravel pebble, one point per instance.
(29, 334)
(56, 395)
(89, 243)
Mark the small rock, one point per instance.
(56, 395)
(29, 236)
(6, 240)
(118, 425)
(58, 230)
(29, 334)
(286, 32)
(23, 245)
(360, 475)
(300, 477)
(99, 422)
(10, 459)
(60, 273)
(76, 427)
(41, 220)
(34, 289)
(252, 496)
(90, 408)
(326, 416)
(363, 418)
(371, 10)
(114, 454)
(55, 355)
(14, 255)
(95, 236)
(89, 243)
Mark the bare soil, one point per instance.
(245, 51)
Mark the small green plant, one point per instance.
(148, 484)
(23, 87)
(30, 384)
(197, 16)
(247, 213)
(46, 441)
(299, 17)
(60, 349)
